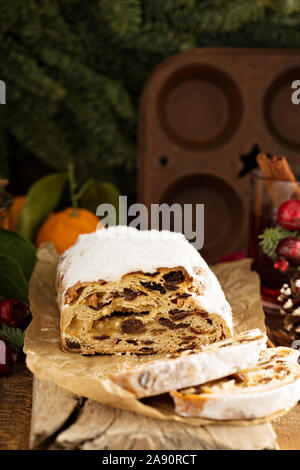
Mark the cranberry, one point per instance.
(282, 264)
(289, 215)
(289, 248)
(13, 312)
(8, 356)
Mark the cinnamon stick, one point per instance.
(276, 167)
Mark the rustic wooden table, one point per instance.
(15, 413)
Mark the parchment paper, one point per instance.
(88, 375)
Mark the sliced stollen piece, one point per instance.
(272, 385)
(124, 290)
(194, 366)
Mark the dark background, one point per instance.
(74, 72)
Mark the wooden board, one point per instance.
(16, 394)
(288, 430)
(15, 410)
(60, 420)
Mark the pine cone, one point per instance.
(290, 300)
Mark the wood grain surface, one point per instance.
(15, 414)
(61, 420)
(287, 429)
(15, 410)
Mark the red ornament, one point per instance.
(13, 312)
(289, 215)
(282, 264)
(289, 248)
(8, 356)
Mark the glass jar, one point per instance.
(266, 197)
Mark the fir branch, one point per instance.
(75, 70)
(271, 237)
(123, 16)
(14, 335)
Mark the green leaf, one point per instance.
(14, 335)
(21, 250)
(12, 280)
(100, 192)
(42, 198)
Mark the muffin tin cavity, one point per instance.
(199, 107)
(201, 113)
(223, 213)
(281, 114)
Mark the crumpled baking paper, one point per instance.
(88, 375)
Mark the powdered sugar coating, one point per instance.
(109, 254)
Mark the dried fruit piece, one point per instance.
(129, 294)
(132, 341)
(99, 305)
(174, 276)
(170, 324)
(72, 344)
(184, 295)
(198, 389)
(197, 331)
(237, 377)
(132, 325)
(166, 322)
(153, 286)
(202, 314)
(180, 316)
(102, 337)
(115, 294)
(146, 350)
(170, 287)
(188, 338)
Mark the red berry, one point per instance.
(289, 248)
(7, 356)
(13, 312)
(282, 264)
(289, 215)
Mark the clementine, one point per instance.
(63, 228)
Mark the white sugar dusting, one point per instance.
(109, 254)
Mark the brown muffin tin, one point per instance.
(201, 111)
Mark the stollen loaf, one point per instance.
(193, 366)
(121, 290)
(270, 386)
